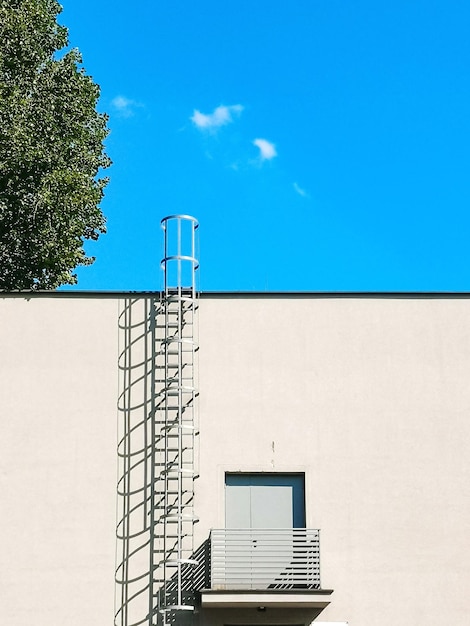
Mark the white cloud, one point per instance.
(300, 191)
(266, 148)
(124, 106)
(220, 117)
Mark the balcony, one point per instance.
(265, 559)
(259, 568)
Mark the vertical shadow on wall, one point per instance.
(138, 338)
(141, 385)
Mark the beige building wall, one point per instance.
(368, 396)
(59, 388)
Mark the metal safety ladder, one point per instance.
(175, 430)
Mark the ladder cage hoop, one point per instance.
(180, 254)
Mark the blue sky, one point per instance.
(322, 144)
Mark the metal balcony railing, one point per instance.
(261, 559)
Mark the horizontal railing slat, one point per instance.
(265, 558)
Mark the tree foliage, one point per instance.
(51, 150)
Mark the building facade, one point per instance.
(321, 459)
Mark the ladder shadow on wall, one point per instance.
(141, 379)
(138, 344)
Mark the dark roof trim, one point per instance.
(335, 294)
(240, 294)
(78, 294)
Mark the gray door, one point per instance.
(261, 510)
(264, 501)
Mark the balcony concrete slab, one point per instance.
(318, 599)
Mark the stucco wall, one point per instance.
(58, 382)
(368, 396)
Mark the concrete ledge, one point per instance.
(274, 599)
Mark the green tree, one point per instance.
(51, 150)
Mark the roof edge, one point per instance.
(238, 294)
